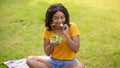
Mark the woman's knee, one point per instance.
(30, 60)
(35, 62)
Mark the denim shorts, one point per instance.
(61, 63)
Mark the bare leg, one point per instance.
(75, 65)
(36, 62)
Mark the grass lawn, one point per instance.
(22, 23)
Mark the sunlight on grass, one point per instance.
(33, 3)
(22, 23)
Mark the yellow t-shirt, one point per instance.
(62, 51)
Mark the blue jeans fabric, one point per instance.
(61, 63)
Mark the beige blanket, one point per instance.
(21, 63)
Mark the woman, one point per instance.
(61, 41)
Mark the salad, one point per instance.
(56, 39)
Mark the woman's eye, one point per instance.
(56, 18)
(62, 17)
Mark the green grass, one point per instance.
(22, 23)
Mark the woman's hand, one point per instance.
(65, 29)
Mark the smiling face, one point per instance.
(55, 15)
(58, 18)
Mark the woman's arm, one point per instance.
(48, 47)
(74, 42)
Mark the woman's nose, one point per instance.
(60, 20)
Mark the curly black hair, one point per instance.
(51, 11)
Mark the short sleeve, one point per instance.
(46, 33)
(73, 30)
